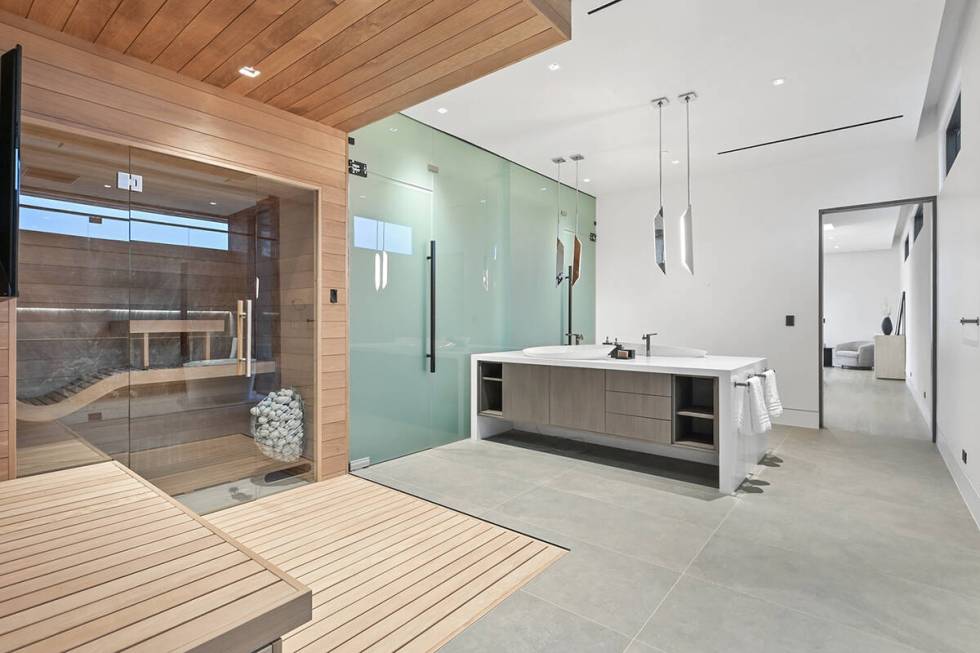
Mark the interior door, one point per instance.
(391, 382)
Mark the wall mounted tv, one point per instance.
(10, 72)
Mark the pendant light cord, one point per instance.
(687, 106)
(558, 201)
(660, 151)
(576, 197)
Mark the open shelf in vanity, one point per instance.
(695, 412)
(490, 377)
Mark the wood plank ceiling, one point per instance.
(345, 63)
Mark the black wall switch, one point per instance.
(790, 320)
(964, 455)
(333, 295)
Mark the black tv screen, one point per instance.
(10, 71)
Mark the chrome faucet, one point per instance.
(578, 338)
(646, 337)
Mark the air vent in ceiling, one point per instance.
(603, 6)
(819, 133)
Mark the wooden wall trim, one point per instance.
(89, 90)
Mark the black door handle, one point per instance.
(432, 307)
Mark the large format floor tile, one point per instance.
(843, 542)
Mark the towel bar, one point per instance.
(970, 320)
(742, 384)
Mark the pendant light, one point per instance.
(659, 243)
(687, 221)
(559, 246)
(577, 247)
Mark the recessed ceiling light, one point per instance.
(586, 180)
(213, 203)
(829, 226)
(779, 81)
(393, 129)
(554, 66)
(248, 71)
(442, 110)
(676, 161)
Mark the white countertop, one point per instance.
(707, 366)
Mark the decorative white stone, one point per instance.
(277, 425)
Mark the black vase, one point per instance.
(886, 325)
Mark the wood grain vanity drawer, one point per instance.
(643, 383)
(626, 403)
(641, 428)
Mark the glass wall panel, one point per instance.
(170, 328)
(495, 224)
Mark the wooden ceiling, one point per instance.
(345, 63)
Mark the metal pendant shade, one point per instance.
(659, 242)
(687, 218)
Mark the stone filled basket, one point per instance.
(280, 436)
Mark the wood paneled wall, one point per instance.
(8, 382)
(73, 85)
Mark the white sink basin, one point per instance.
(672, 351)
(569, 352)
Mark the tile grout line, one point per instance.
(572, 612)
(683, 573)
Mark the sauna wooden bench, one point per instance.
(96, 559)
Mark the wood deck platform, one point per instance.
(388, 571)
(97, 559)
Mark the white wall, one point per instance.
(756, 259)
(917, 284)
(958, 275)
(857, 288)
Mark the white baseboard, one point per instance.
(808, 419)
(969, 493)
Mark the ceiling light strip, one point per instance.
(825, 131)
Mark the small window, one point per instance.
(953, 136)
(917, 221)
(906, 248)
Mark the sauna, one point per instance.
(162, 301)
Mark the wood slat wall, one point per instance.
(343, 63)
(91, 90)
(8, 389)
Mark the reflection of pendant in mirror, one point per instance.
(384, 270)
(687, 240)
(576, 261)
(377, 271)
(560, 263)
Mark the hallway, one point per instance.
(854, 400)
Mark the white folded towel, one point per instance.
(758, 413)
(773, 403)
(740, 425)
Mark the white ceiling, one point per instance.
(861, 231)
(844, 62)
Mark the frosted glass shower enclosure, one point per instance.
(491, 224)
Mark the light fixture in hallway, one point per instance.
(687, 221)
(660, 249)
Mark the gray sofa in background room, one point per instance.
(859, 354)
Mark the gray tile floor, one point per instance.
(854, 400)
(843, 543)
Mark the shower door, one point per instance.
(391, 378)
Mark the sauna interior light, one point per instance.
(248, 71)
(213, 203)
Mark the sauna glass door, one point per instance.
(210, 416)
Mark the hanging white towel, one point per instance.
(758, 413)
(773, 404)
(740, 423)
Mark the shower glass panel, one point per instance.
(155, 320)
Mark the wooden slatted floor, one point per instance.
(97, 559)
(388, 571)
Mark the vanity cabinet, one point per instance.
(639, 405)
(578, 398)
(527, 396)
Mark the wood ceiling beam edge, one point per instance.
(556, 12)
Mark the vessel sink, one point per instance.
(569, 352)
(674, 352)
